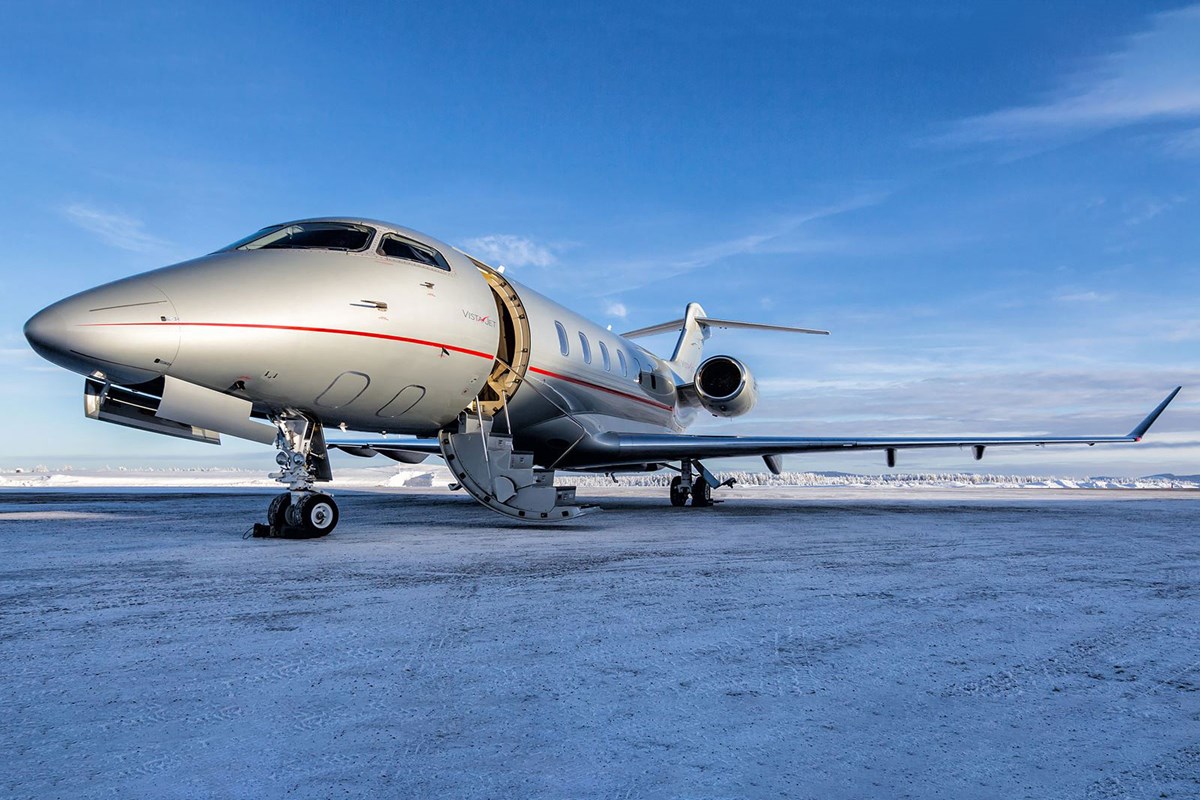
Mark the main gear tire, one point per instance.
(701, 493)
(679, 493)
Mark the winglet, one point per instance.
(1137, 433)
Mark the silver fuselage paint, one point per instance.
(361, 341)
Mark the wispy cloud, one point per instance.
(118, 230)
(784, 235)
(1146, 209)
(1185, 144)
(1155, 76)
(512, 251)
(1084, 297)
(1182, 331)
(613, 308)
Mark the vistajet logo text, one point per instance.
(486, 319)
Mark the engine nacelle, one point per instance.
(725, 387)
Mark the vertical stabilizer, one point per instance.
(690, 347)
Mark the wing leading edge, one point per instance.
(629, 448)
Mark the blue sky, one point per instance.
(992, 205)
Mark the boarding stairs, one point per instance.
(503, 479)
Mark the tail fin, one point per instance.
(690, 347)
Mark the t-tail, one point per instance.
(694, 330)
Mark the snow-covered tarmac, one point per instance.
(792, 643)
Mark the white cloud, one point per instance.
(1155, 76)
(511, 251)
(614, 309)
(1084, 297)
(115, 229)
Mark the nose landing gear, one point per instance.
(300, 515)
(301, 512)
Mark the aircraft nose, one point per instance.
(47, 332)
(122, 329)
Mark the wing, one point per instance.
(615, 449)
(645, 448)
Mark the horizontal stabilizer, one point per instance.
(713, 322)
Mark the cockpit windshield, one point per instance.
(308, 236)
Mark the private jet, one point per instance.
(362, 326)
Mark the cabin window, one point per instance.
(394, 246)
(624, 363)
(345, 236)
(604, 358)
(637, 369)
(585, 348)
(563, 345)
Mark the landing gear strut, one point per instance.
(301, 512)
(699, 488)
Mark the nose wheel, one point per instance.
(301, 515)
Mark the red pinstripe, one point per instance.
(388, 337)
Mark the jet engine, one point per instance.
(724, 387)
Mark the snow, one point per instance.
(420, 475)
(435, 473)
(811, 642)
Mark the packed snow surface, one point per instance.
(435, 473)
(798, 643)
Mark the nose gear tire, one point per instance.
(314, 515)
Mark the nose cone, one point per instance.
(122, 329)
(48, 332)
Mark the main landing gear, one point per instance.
(301, 512)
(699, 488)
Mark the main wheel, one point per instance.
(277, 511)
(679, 495)
(701, 493)
(314, 516)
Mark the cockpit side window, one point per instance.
(345, 236)
(394, 246)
